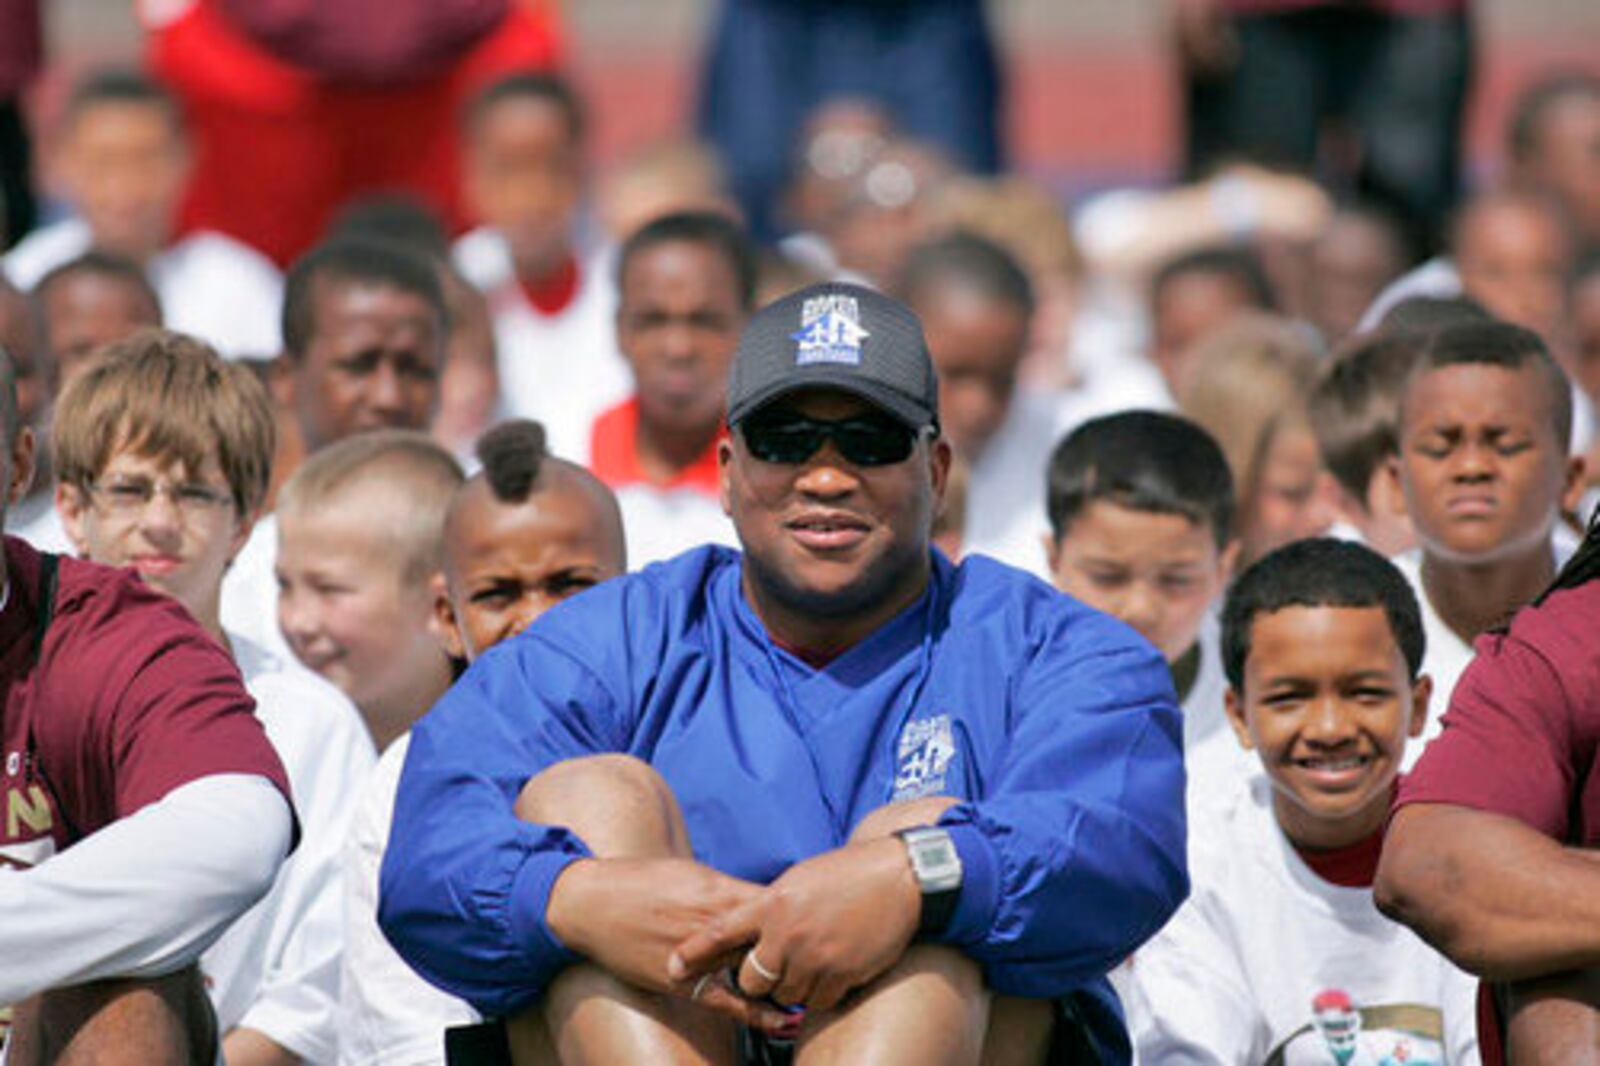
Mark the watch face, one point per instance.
(934, 859)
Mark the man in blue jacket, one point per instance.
(833, 791)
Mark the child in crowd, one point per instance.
(1141, 519)
(1280, 955)
(1248, 390)
(976, 305)
(1583, 316)
(1353, 408)
(552, 307)
(1195, 295)
(89, 302)
(525, 532)
(123, 157)
(163, 451)
(359, 528)
(685, 286)
(81, 305)
(1485, 418)
(364, 326)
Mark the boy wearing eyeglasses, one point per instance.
(832, 791)
(164, 451)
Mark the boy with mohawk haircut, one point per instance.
(524, 533)
(164, 451)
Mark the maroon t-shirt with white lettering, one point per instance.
(126, 699)
(1522, 735)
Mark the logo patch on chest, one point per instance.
(922, 758)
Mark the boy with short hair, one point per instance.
(1485, 418)
(124, 157)
(163, 452)
(523, 172)
(1194, 295)
(1141, 516)
(1353, 407)
(1280, 954)
(525, 532)
(359, 538)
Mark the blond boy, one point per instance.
(359, 528)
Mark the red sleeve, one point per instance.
(1507, 745)
(162, 703)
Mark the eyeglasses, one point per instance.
(865, 440)
(131, 495)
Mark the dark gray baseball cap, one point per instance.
(837, 336)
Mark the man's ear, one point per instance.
(940, 456)
(1394, 483)
(22, 460)
(1052, 554)
(725, 475)
(1233, 704)
(1421, 696)
(73, 504)
(444, 623)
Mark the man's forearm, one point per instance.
(247, 1047)
(1499, 898)
(147, 894)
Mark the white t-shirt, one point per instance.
(1006, 515)
(562, 369)
(1233, 976)
(1218, 766)
(1447, 654)
(36, 521)
(659, 523)
(276, 970)
(388, 1016)
(250, 591)
(212, 286)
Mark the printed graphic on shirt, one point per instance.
(830, 331)
(1342, 1034)
(923, 757)
(27, 836)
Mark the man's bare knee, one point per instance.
(930, 1007)
(908, 814)
(165, 1021)
(618, 805)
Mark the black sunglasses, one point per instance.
(865, 440)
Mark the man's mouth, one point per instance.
(831, 531)
(1473, 506)
(155, 565)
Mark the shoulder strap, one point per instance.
(49, 576)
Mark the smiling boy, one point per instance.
(1281, 950)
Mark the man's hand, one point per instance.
(627, 915)
(829, 925)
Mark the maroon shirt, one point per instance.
(126, 699)
(1522, 735)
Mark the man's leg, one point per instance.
(622, 809)
(931, 1007)
(164, 1021)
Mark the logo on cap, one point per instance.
(830, 331)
